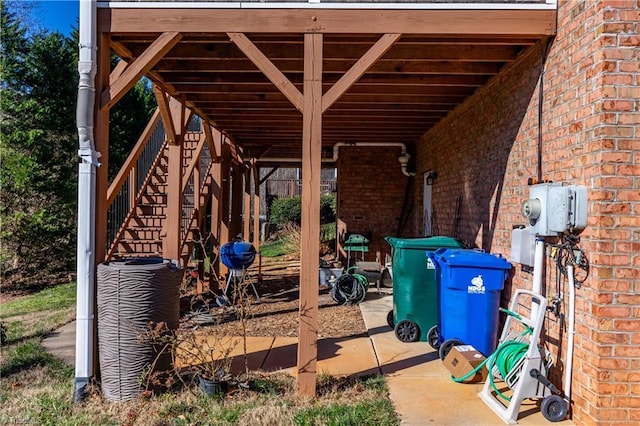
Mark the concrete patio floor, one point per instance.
(419, 385)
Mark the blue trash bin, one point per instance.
(469, 284)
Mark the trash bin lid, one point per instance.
(471, 258)
(424, 243)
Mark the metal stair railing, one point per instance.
(125, 190)
(129, 186)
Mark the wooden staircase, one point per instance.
(142, 231)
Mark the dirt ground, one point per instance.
(276, 313)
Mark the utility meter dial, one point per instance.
(531, 209)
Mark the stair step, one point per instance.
(130, 247)
(158, 180)
(146, 221)
(151, 210)
(156, 189)
(154, 199)
(148, 234)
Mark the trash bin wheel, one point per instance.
(554, 408)
(407, 331)
(433, 337)
(390, 321)
(446, 346)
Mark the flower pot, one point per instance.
(211, 387)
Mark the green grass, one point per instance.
(52, 298)
(36, 387)
(274, 249)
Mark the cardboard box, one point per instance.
(463, 359)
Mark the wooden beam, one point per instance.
(216, 205)
(101, 141)
(310, 217)
(266, 66)
(358, 69)
(225, 56)
(237, 189)
(171, 234)
(269, 173)
(138, 68)
(256, 206)
(225, 196)
(165, 114)
(101, 135)
(193, 164)
(512, 21)
(171, 244)
(209, 137)
(246, 206)
(117, 71)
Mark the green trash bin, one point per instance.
(415, 294)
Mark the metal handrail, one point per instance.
(129, 167)
(125, 194)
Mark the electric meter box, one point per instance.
(523, 244)
(553, 208)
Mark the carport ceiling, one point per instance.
(416, 83)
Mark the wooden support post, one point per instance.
(172, 115)
(256, 206)
(310, 220)
(101, 142)
(171, 240)
(235, 227)
(225, 174)
(246, 206)
(216, 204)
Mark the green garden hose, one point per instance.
(504, 358)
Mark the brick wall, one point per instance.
(486, 149)
(371, 191)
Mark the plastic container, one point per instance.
(132, 293)
(469, 287)
(415, 300)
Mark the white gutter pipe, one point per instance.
(86, 202)
(403, 158)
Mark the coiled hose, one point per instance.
(350, 289)
(504, 358)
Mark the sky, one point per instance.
(56, 15)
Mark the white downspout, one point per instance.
(86, 201)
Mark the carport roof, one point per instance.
(396, 69)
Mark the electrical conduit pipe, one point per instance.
(85, 336)
(572, 332)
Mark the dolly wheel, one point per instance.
(554, 408)
(390, 321)
(433, 338)
(446, 346)
(407, 331)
